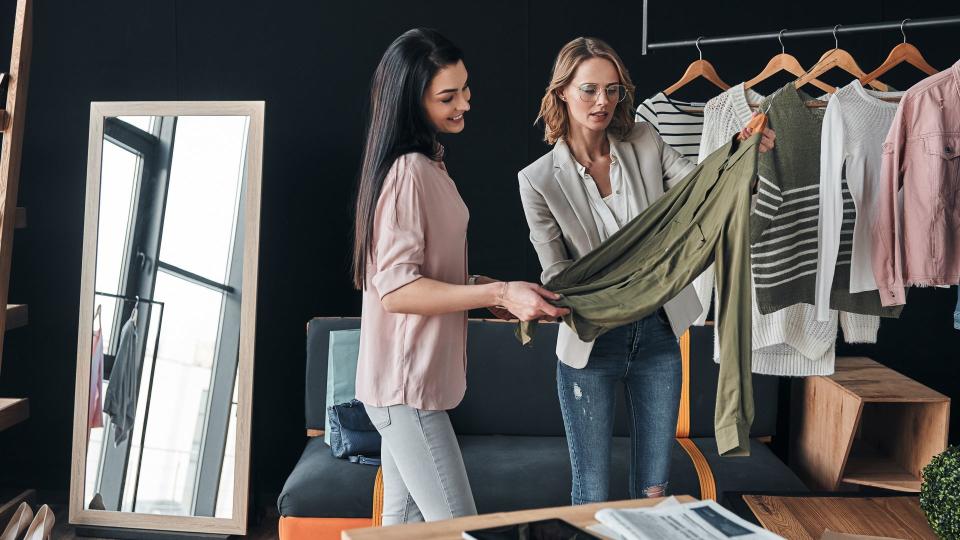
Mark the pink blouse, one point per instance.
(420, 230)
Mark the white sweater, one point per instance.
(789, 342)
(854, 127)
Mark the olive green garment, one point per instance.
(703, 219)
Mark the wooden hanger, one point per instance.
(756, 125)
(838, 58)
(904, 52)
(699, 68)
(785, 62)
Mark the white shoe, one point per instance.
(18, 523)
(42, 526)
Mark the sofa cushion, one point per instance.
(517, 472)
(324, 486)
(762, 470)
(512, 390)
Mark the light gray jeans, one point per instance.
(423, 473)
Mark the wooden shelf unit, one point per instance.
(865, 425)
(13, 410)
(16, 316)
(868, 466)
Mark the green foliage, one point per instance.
(940, 493)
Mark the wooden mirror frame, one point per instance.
(237, 523)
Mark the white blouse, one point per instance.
(615, 210)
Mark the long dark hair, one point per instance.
(398, 124)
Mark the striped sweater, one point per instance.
(784, 239)
(679, 123)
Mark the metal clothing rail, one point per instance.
(153, 370)
(822, 31)
(128, 299)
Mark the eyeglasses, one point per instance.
(589, 92)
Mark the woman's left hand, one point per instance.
(767, 140)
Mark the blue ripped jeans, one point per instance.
(645, 357)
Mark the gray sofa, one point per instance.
(511, 432)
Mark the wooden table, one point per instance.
(581, 516)
(805, 518)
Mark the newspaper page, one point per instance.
(603, 531)
(702, 520)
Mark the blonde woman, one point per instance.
(604, 170)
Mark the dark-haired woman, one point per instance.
(410, 260)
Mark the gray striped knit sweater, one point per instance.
(784, 223)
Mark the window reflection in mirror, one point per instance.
(169, 234)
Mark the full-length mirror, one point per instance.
(168, 294)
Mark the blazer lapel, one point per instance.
(631, 171)
(572, 186)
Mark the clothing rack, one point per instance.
(153, 365)
(129, 299)
(139, 300)
(807, 32)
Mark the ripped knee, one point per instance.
(659, 490)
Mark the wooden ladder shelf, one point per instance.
(13, 410)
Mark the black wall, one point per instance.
(311, 62)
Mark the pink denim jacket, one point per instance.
(916, 235)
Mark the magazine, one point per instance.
(701, 520)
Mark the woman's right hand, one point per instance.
(528, 301)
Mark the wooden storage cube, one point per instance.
(894, 442)
(865, 425)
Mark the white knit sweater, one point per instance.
(854, 127)
(789, 342)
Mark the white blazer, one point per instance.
(563, 229)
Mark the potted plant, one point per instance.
(940, 493)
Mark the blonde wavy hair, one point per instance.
(553, 111)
